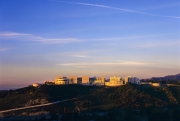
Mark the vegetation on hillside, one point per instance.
(123, 97)
(20, 97)
(127, 102)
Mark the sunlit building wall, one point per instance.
(49, 82)
(126, 80)
(72, 79)
(114, 81)
(99, 81)
(132, 80)
(85, 80)
(61, 80)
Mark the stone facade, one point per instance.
(114, 81)
(72, 79)
(99, 81)
(85, 80)
(61, 80)
(132, 80)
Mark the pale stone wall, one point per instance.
(85, 80)
(137, 81)
(99, 81)
(132, 80)
(61, 80)
(72, 79)
(113, 84)
(126, 80)
(115, 78)
(114, 81)
(58, 77)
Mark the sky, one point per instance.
(42, 39)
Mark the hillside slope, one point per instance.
(92, 98)
(46, 93)
(122, 97)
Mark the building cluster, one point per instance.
(95, 81)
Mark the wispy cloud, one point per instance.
(118, 64)
(31, 37)
(115, 8)
(131, 37)
(12, 34)
(89, 53)
(4, 49)
(97, 64)
(77, 55)
(82, 56)
(106, 44)
(158, 44)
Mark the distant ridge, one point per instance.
(165, 78)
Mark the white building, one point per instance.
(61, 80)
(85, 80)
(72, 79)
(49, 82)
(99, 81)
(132, 80)
(114, 81)
(137, 81)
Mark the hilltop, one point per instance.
(130, 97)
(93, 99)
(165, 78)
(30, 95)
(100, 98)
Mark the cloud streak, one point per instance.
(81, 56)
(158, 44)
(132, 37)
(100, 64)
(30, 37)
(117, 64)
(120, 9)
(4, 49)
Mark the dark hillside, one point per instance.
(130, 97)
(60, 92)
(122, 97)
(176, 92)
(157, 92)
(46, 93)
(92, 98)
(128, 102)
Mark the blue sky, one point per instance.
(42, 39)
